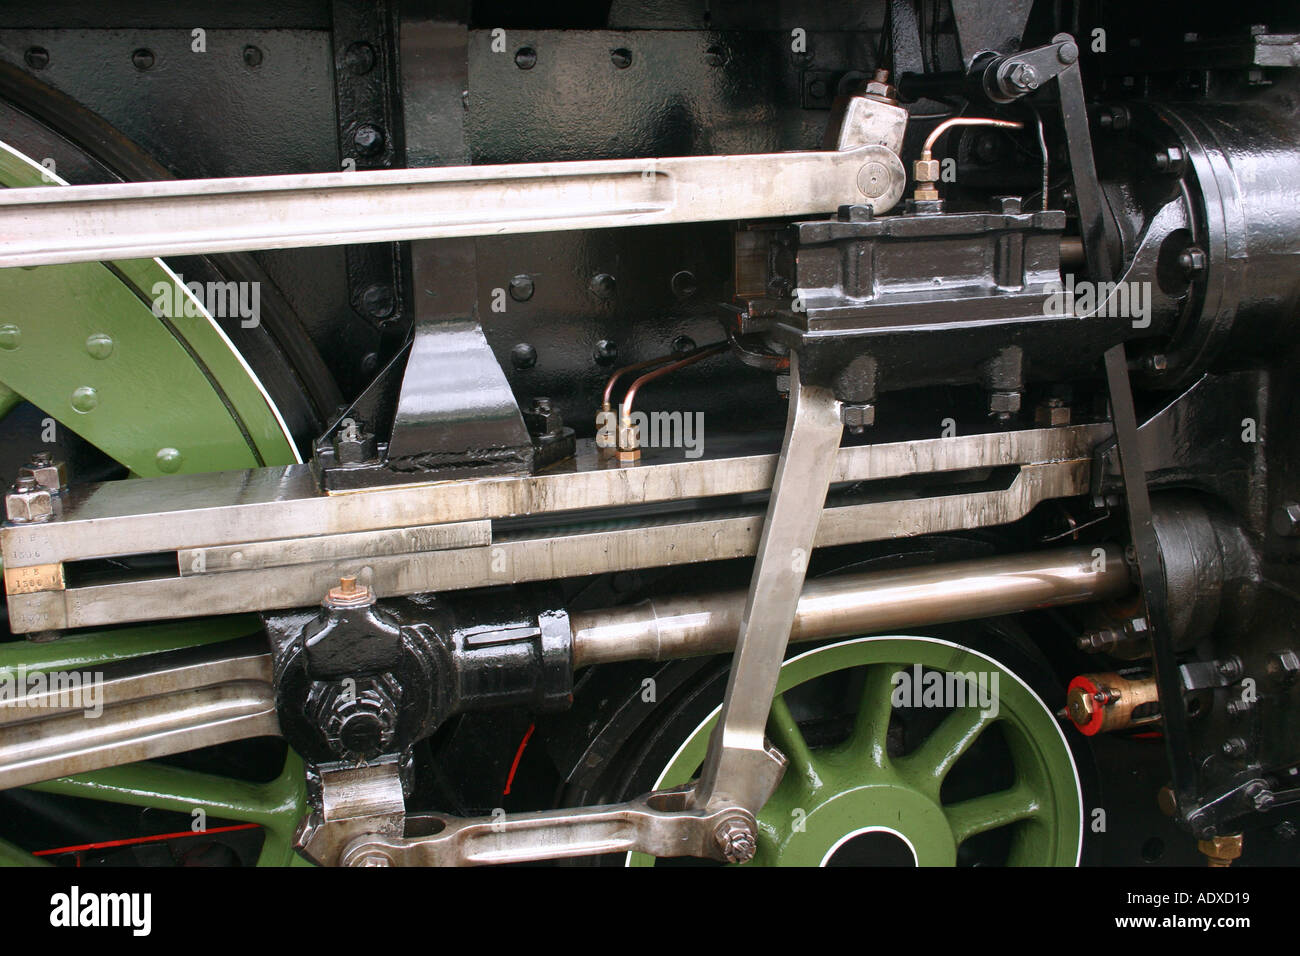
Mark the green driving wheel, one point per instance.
(160, 395)
(944, 779)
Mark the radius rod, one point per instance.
(43, 225)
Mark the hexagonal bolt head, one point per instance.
(1169, 160)
(543, 418)
(353, 444)
(1099, 640)
(47, 472)
(925, 171)
(1004, 403)
(1221, 850)
(1192, 260)
(629, 436)
(28, 502)
(348, 593)
(371, 858)
(858, 416)
(735, 838)
(880, 87)
(1052, 413)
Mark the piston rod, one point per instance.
(851, 604)
(152, 707)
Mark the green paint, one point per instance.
(828, 793)
(81, 341)
(161, 396)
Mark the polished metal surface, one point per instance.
(851, 604)
(138, 710)
(662, 824)
(145, 515)
(366, 799)
(519, 555)
(170, 703)
(740, 761)
(253, 555)
(45, 225)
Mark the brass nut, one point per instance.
(925, 192)
(1221, 850)
(629, 455)
(348, 593)
(925, 171)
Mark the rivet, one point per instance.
(523, 356)
(10, 337)
(168, 459)
(99, 345)
(85, 399)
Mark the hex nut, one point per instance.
(543, 418)
(858, 415)
(46, 472)
(1004, 403)
(1052, 414)
(353, 445)
(1192, 260)
(27, 502)
(348, 593)
(925, 171)
(735, 838)
(1221, 850)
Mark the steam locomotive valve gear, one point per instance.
(318, 499)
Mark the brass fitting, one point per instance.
(606, 431)
(1098, 703)
(348, 593)
(1221, 851)
(925, 171)
(629, 441)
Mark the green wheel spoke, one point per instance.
(870, 734)
(101, 349)
(276, 805)
(785, 733)
(850, 802)
(991, 811)
(928, 764)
